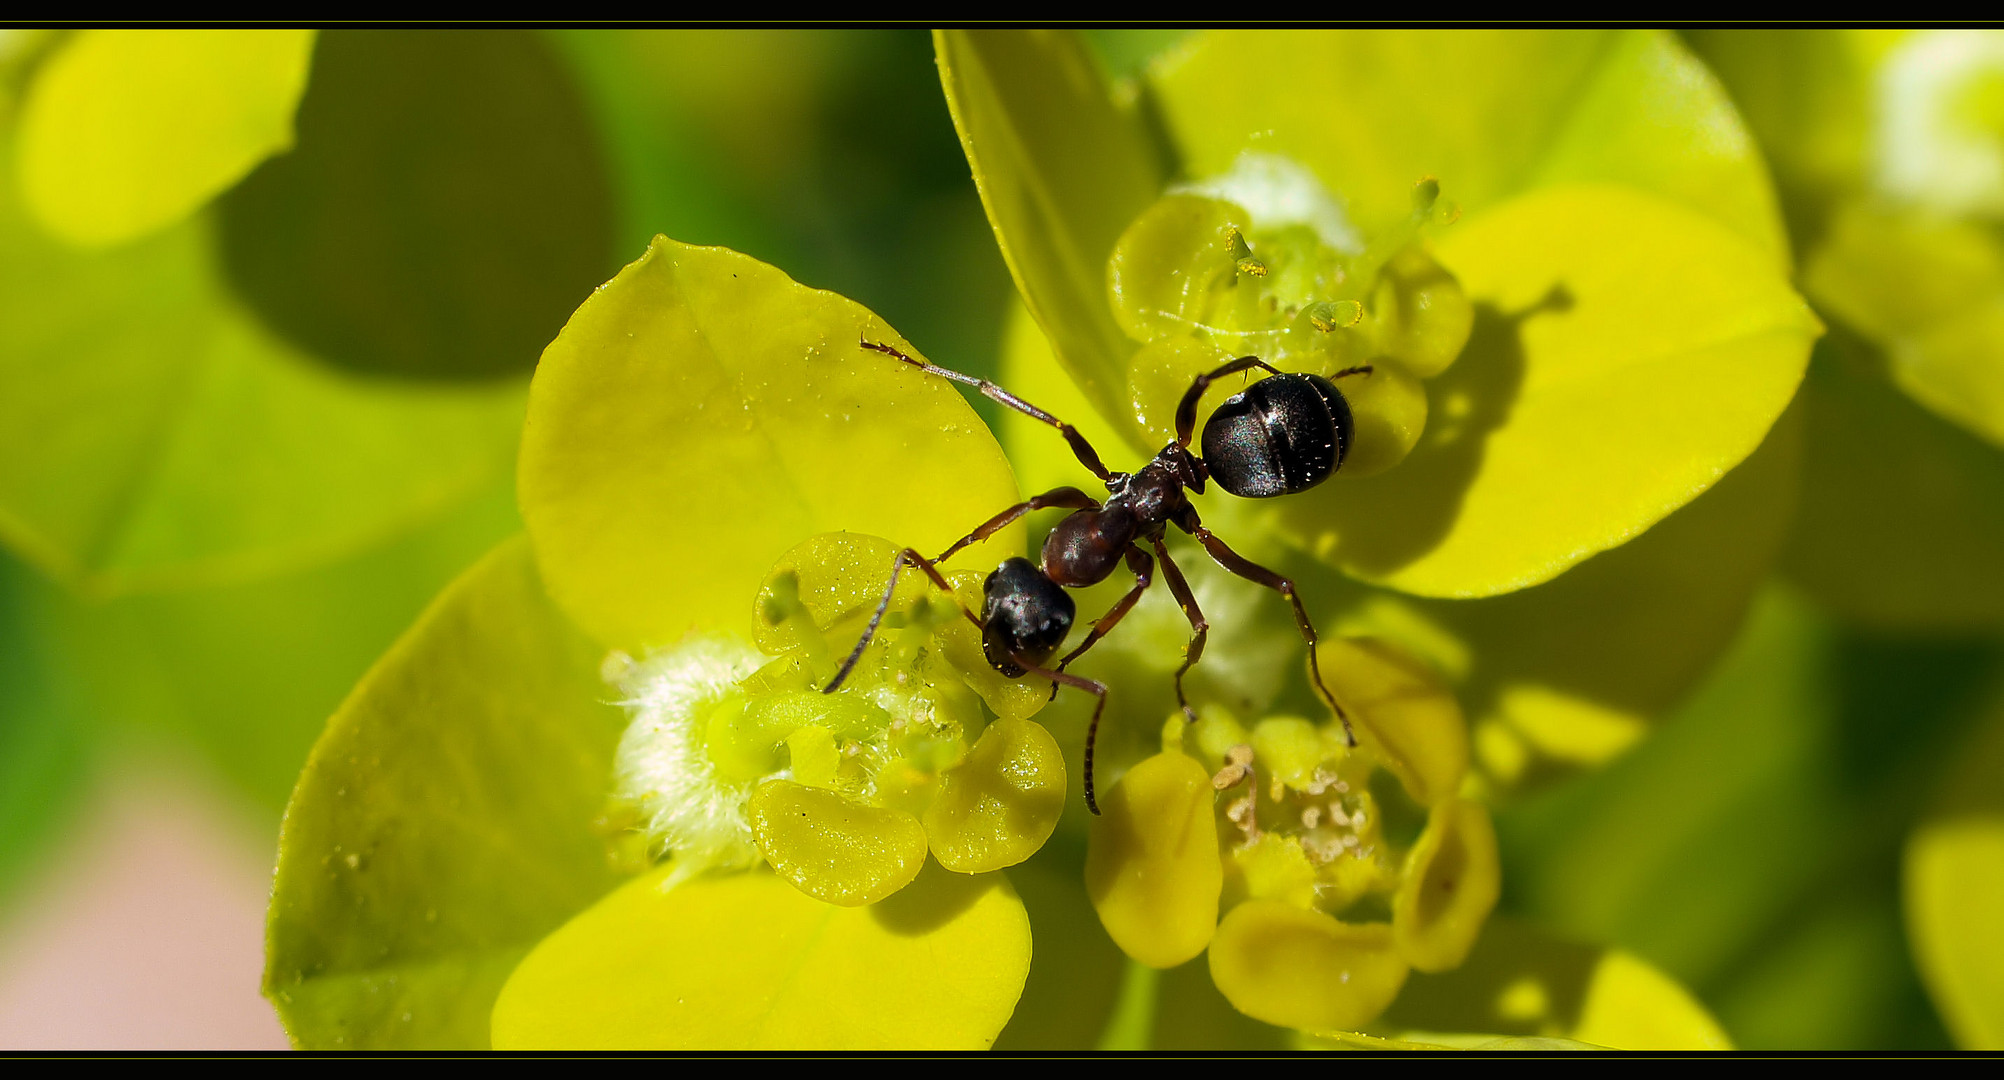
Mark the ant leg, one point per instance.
(1143, 568)
(1252, 571)
(1098, 690)
(1361, 369)
(1200, 627)
(911, 556)
(1066, 497)
(1080, 447)
(1186, 412)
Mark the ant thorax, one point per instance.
(1154, 494)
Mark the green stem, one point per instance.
(1132, 1025)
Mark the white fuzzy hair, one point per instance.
(663, 766)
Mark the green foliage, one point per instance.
(41, 732)
(268, 301)
(1953, 895)
(444, 822)
(127, 131)
(1748, 848)
(447, 207)
(1887, 143)
(158, 435)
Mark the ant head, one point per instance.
(1284, 434)
(1025, 617)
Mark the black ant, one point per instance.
(1279, 436)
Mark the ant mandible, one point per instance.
(1279, 436)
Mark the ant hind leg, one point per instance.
(1200, 627)
(1238, 564)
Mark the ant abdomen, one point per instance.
(1087, 546)
(1024, 618)
(1282, 435)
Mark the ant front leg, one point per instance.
(1081, 449)
(1068, 498)
(1098, 691)
(1238, 564)
(905, 556)
(1144, 573)
(1200, 627)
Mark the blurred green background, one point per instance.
(242, 446)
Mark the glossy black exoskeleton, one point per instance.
(1280, 436)
(1024, 617)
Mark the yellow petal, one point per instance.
(745, 962)
(999, 806)
(833, 848)
(127, 131)
(1401, 713)
(1591, 400)
(1302, 969)
(1152, 867)
(702, 413)
(1452, 879)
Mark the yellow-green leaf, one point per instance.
(153, 434)
(1930, 291)
(1523, 982)
(1607, 384)
(702, 413)
(127, 131)
(444, 823)
(743, 961)
(1062, 170)
(1954, 878)
(43, 741)
(1885, 144)
(1807, 97)
(247, 673)
(1571, 674)
(1490, 113)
